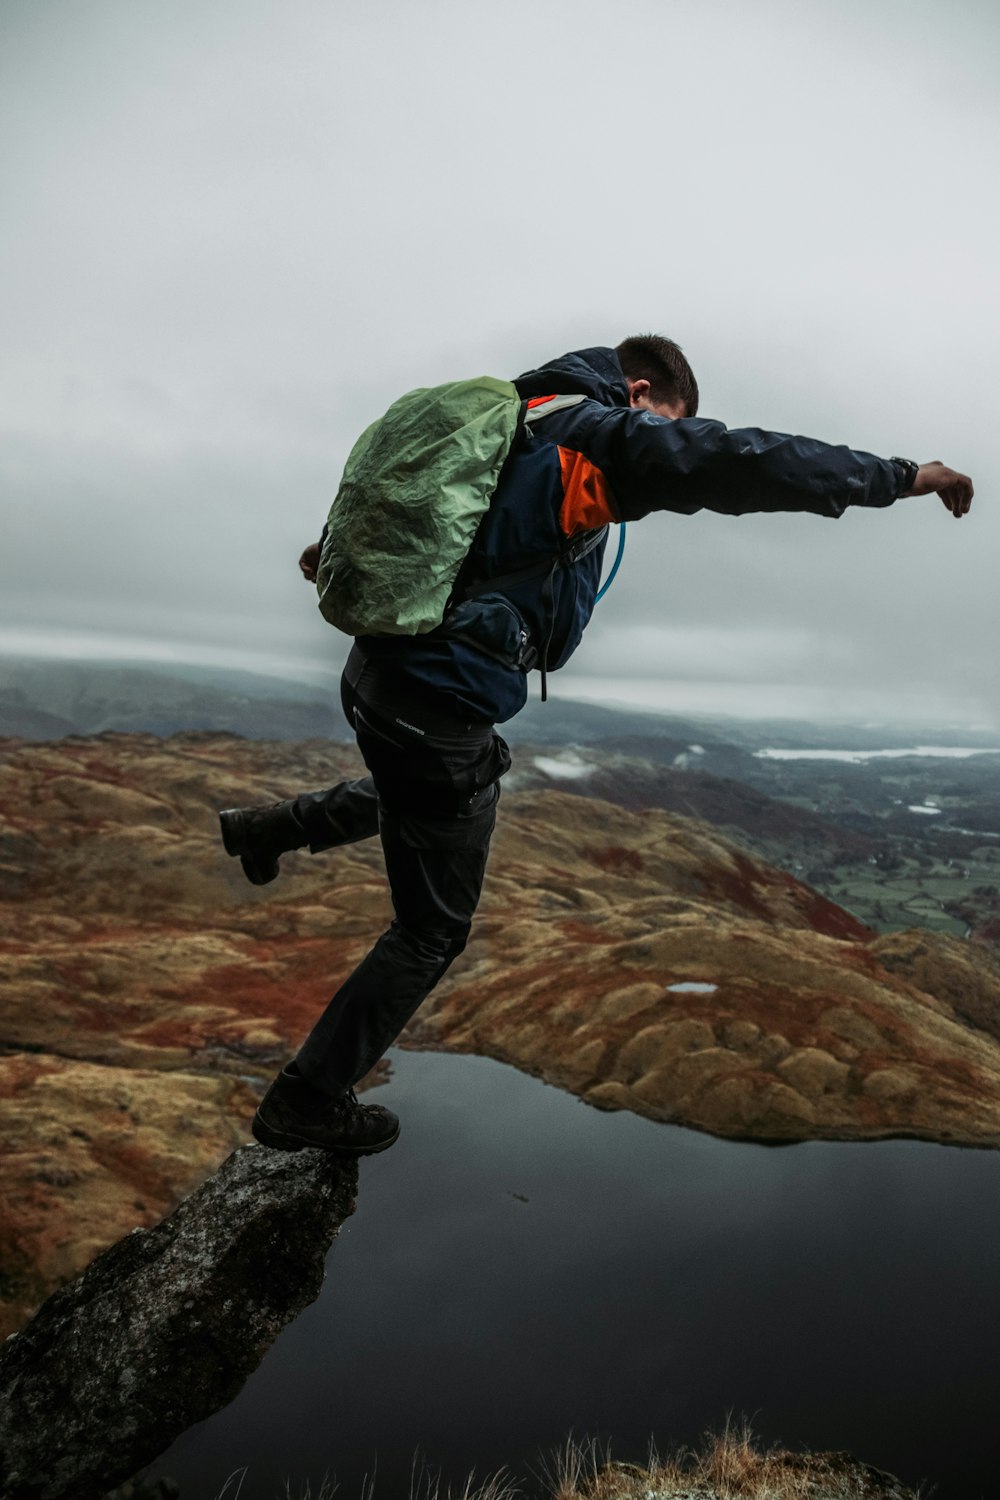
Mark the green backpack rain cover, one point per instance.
(414, 489)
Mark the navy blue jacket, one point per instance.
(573, 471)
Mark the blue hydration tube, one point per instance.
(615, 565)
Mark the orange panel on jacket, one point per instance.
(587, 503)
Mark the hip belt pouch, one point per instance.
(492, 624)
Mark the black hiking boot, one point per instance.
(258, 835)
(292, 1115)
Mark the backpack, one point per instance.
(415, 488)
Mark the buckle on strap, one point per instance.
(584, 544)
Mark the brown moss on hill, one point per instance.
(139, 969)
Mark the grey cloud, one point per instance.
(234, 233)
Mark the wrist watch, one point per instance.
(909, 472)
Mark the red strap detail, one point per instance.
(540, 400)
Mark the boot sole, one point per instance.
(234, 839)
(281, 1140)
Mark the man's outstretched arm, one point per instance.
(653, 463)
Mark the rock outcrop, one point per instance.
(164, 1327)
(637, 958)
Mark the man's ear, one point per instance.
(638, 392)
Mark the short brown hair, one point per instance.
(649, 356)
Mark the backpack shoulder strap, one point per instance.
(574, 549)
(544, 406)
(570, 552)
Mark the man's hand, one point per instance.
(937, 479)
(309, 561)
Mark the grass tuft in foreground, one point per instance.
(727, 1466)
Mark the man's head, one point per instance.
(659, 377)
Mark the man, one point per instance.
(620, 439)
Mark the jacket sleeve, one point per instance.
(651, 463)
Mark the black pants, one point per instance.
(431, 796)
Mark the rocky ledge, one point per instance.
(164, 1327)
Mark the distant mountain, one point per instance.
(562, 721)
(20, 718)
(45, 700)
(786, 835)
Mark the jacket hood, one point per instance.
(588, 372)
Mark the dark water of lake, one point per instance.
(521, 1266)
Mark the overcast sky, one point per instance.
(233, 231)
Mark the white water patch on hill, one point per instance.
(565, 767)
(687, 757)
(934, 752)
